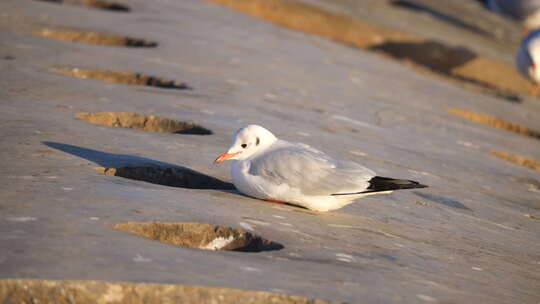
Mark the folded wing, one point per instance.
(310, 171)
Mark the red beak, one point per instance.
(223, 157)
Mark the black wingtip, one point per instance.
(380, 184)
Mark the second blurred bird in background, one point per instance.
(526, 12)
(527, 58)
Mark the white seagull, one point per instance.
(527, 58)
(275, 170)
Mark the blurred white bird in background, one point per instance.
(528, 58)
(526, 12)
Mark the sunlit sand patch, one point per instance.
(517, 159)
(92, 37)
(494, 122)
(200, 235)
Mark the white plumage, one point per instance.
(528, 57)
(268, 168)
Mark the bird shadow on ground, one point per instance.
(442, 200)
(145, 169)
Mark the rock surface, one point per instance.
(60, 292)
(471, 237)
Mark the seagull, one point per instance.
(527, 58)
(279, 171)
(527, 12)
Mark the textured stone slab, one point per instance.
(471, 237)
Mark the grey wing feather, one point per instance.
(310, 171)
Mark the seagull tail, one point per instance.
(381, 184)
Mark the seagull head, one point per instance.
(248, 141)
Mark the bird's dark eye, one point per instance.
(257, 142)
(243, 146)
